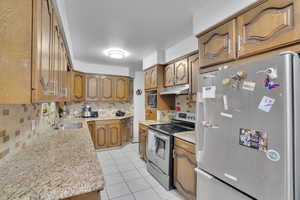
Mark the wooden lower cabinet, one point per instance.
(88, 196)
(143, 132)
(185, 179)
(110, 133)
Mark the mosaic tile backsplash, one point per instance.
(16, 126)
(105, 109)
(183, 101)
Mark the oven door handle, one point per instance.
(161, 136)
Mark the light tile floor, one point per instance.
(127, 178)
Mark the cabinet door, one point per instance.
(91, 88)
(218, 45)
(194, 72)
(169, 75)
(268, 26)
(41, 73)
(147, 79)
(121, 89)
(91, 126)
(56, 61)
(185, 178)
(100, 136)
(107, 88)
(142, 141)
(78, 86)
(114, 136)
(181, 72)
(153, 78)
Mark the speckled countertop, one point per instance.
(153, 122)
(103, 118)
(189, 136)
(55, 165)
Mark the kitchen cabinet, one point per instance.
(181, 72)
(154, 77)
(121, 89)
(270, 25)
(151, 114)
(31, 50)
(185, 178)
(194, 72)
(143, 132)
(169, 75)
(92, 87)
(127, 130)
(78, 83)
(106, 133)
(218, 45)
(107, 88)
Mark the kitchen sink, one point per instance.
(72, 125)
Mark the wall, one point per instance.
(139, 102)
(101, 69)
(157, 57)
(184, 103)
(213, 12)
(16, 126)
(182, 48)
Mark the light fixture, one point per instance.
(116, 53)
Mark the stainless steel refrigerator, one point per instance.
(248, 129)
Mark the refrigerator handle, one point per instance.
(199, 171)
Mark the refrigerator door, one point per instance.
(209, 188)
(245, 133)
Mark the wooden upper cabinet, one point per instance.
(181, 72)
(147, 80)
(92, 88)
(121, 89)
(270, 25)
(194, 72)
(107, 88)
(218, 45)
(169, 75)
(42, 79)
(153, 78)
(78, 86)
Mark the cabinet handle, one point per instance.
(174, 153)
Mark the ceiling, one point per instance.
(138, 26)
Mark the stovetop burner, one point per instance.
(170, 129)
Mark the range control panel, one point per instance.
(186, 116)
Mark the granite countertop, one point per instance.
(101, 118)
(189, 136)
(55, 165)
(153, 122)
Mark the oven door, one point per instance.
(158, 151)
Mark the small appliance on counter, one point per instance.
(88, 113)
(120, 113)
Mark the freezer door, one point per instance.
(209, 188)
(244, 133)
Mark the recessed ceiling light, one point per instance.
(116, 53)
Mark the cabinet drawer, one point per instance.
(270, 25)
(218, 45)
(185, 145)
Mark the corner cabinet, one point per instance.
(185, 179)
(218, 45)
(153, 77)
(106, 134)
(270, 25)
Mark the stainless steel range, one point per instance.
(160, 147)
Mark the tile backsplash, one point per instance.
(184, 103)
(105, 109)
(16, 126)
